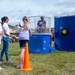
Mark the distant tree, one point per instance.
(16, 26)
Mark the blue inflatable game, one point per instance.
(39, 43)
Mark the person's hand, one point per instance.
(20, 24)
(13, 36)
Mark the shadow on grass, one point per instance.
(8, 64)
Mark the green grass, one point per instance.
(58, 63)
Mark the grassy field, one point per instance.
(57, 63)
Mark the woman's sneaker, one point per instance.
(1, 60)
(8, 61)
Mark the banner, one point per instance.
(64, 33)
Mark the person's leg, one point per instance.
(6, 49)
(43, 29)
(21, 58)
(3, 50)
(39, 29)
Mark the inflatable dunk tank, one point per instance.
(65, 33)
(39, 42)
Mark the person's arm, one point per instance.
(25, 25)
(5, 27)
(0, 29)
(30, 32)
(20, 24)
(5, 32)
(0, 32)
(44, 23)
(38, 24)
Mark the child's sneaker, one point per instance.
(18, 67)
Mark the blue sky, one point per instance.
(16, 9)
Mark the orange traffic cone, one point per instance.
(26, 64)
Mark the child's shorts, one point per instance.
(22, 43)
